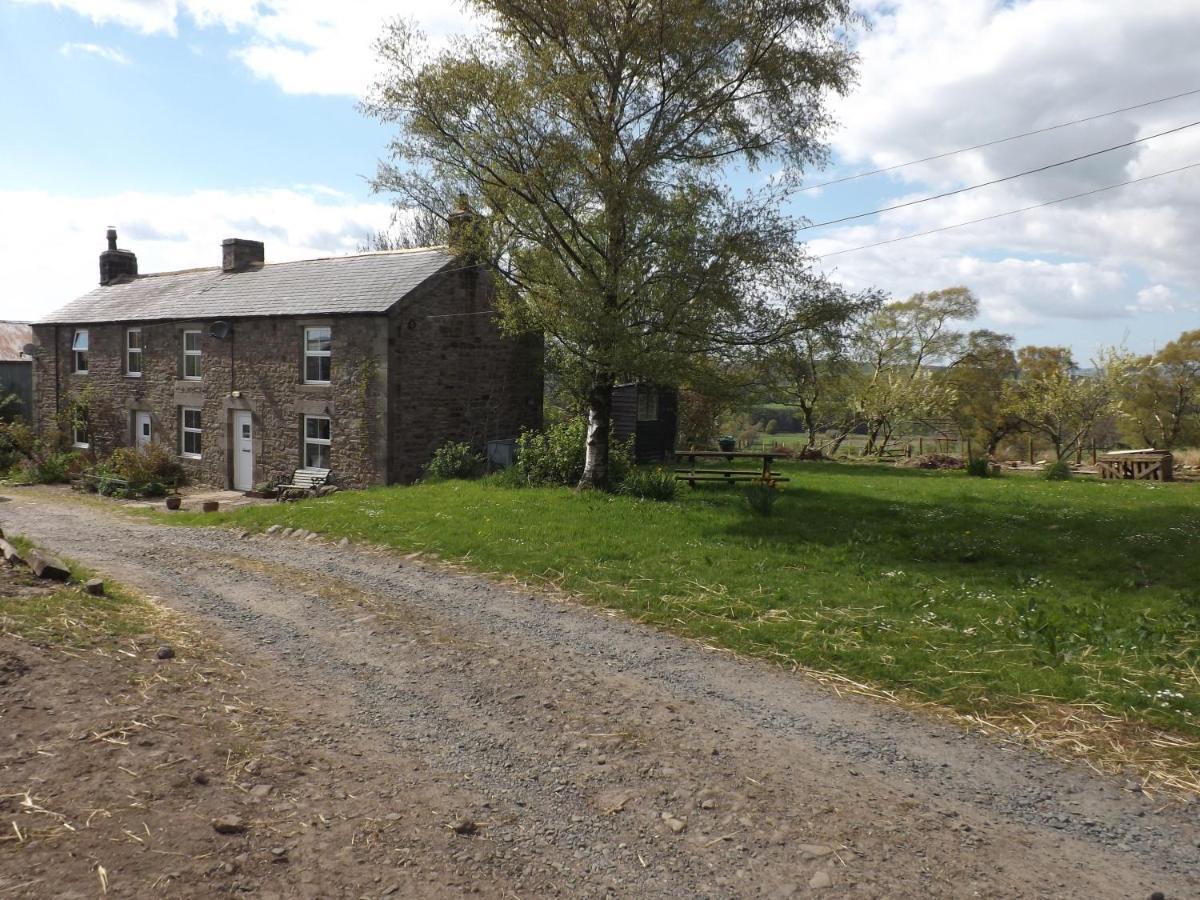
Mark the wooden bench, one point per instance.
(691, 476)
(305, 482)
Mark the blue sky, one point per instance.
(183, 122)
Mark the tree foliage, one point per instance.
(1162, 395)
(598, 137)
(893, 383)
(981, 378)
(1053, 399)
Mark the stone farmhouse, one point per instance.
(360, 364)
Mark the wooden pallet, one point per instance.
(1137, 465)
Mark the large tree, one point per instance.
(895, 350)
(598, 137)
(1163, 394)
(1054, 399)
(982, 377)
(812, 368)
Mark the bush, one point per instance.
(650, 484)
(979, 467)
(761, 494)
(557, 454)
(454, 460)
(142, 465)
(1059, 470)
(51, 468)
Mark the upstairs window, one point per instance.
(316, 442)
(79, 349)
(191, 355)
(318, 346)
(190, 433)
(133, 352)
(79, 436)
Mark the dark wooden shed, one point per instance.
(16, 367)
(648, 414)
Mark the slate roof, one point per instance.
(14, 336)
(364, 283)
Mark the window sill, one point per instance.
(80, 372)
(190, 456)
(133, 374)
(82, 446)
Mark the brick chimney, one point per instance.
(461, 225)
(239, 254)
(116, 265)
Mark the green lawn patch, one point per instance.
(977, 594)
(65, 614)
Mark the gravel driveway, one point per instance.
(608, 759)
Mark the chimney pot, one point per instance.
(111, 235)
(239, 254)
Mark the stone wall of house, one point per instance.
(453, 376)
(257, 367)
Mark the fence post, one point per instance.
(1031, 449)
(920, 446)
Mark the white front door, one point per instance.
(243, 451)
(142, 429)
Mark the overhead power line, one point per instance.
(1011, 212)
(983, 184)
(1003, 140)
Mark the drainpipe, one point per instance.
(57, 369)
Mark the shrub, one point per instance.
(557, 454)
(979, 467)
(761, 494)
(1059, 470)
(55, 467)
(142, 465)
(650, 484)
(454, 460)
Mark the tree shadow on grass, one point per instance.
(1084, 543)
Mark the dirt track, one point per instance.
(602, 758)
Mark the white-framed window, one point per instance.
(79, 437)
(647, 405)
(317, 441)
(79, 350)
(191, 355)
(318, 346)
(133, 352)
(189, 432)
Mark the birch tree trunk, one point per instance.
(595, 464)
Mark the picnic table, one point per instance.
(692, 474)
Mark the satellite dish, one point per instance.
(219, 330)
(29, 349)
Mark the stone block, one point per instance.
(44, 565)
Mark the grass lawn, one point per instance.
(982, 595)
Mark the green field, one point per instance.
(978, 594)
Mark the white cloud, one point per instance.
(1158, 298)
(107, 53)
(146, 16)
(304, 46)
(942, 74)
(167, 232)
